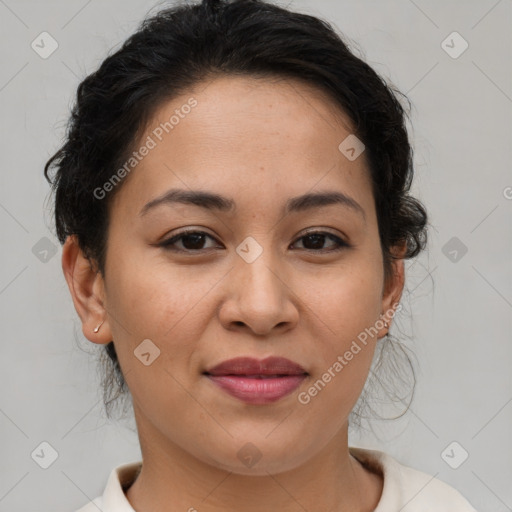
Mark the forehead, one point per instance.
(245, 136)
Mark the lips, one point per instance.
(257, 381)
(250, 367)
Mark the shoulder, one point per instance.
(422, 490)
(408, 489)
(113, 498)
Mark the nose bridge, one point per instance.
(258, 266)
(258, 297)
(260, 290)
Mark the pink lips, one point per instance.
(257, 381)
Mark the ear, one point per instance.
(393, 287)
(86, 286)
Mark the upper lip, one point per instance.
(251, 366)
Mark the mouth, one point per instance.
(257, 381)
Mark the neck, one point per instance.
(172, 479)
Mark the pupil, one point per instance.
(196, 243)
(317, 238)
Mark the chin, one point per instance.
(259, 456)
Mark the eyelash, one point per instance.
(168, 244)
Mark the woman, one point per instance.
(233, 203)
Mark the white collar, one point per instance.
(405, 489)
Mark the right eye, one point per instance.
(192, 238)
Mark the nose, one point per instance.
(259, 297)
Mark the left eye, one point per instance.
(193, 241)
(318, 238)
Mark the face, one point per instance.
(254, 280)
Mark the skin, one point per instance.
(259, 142)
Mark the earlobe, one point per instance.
(87, 291)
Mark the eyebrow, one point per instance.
(212, 201)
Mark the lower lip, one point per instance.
(257, 390)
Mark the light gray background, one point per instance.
(461, 327)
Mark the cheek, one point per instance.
(344, 307)
(151, 297)
(148, 303)
(344, 345)
(344, 301)
(155, 303)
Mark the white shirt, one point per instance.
(405, 489)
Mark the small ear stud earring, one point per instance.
(97, 328)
